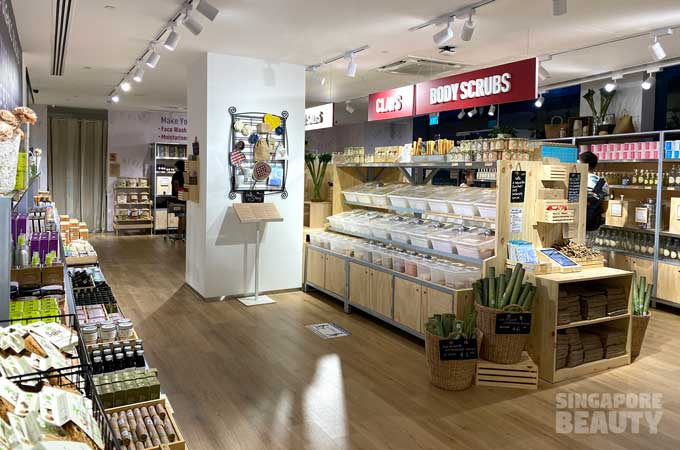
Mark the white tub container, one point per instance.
(399, 233)
(417, 203)
(438, 273)
(315, 239)
(480, 247)
(377, 255)
(362, 251)
(424, 268)
(458, 278)
(342, 246)
(379, 199)
(350, 196)
(464, 208)
(420, 236)
(439, 205)
(445, 241)
(487, 209)
(363, 198)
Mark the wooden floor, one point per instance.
(256, 379)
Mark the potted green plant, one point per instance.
(642, 295)
(601, 121)
(316, 164)
(502, 132)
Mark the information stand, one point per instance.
(257, 213)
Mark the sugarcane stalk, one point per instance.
(530, 298)
(485, 290)
(517, 287)
(477, 291)
(492, 292)
(648, 299)
(511, 284)
(635, 294)
(524, 295)
(501, 290)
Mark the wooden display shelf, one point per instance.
(643, 187)
(179, 443)
(81, 260)
(133, 203)
(567, 373)
(543, 340)
(130, 187)
(583, 323)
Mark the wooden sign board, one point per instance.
(457, 349)
(513, 323)
(257, 212)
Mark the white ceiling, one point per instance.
(308, 31)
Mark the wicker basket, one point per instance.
(639, 328)
(450, 375)
(498, 348)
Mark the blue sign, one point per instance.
(434, 119)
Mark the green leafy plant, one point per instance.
(316, 164)
(605, 100)
(443, 325)
(502, 130)
(590, 98)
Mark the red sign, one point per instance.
(391, 104)
(507, 83)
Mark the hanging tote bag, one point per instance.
(262, 150)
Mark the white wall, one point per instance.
(130, 133)
(226, 268)
(38, 139)
(628, 98)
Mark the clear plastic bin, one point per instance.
(479, 246)
(377, 255)
(420, 236)
(487, 209)
(463, 208)
(438, 271)
(398, 262)
(399, 233)
(386, 260)
(342, 246)
(411, 265)
(445, 241)
(362, 251)
(424, 268)
(315, 239)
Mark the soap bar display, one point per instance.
(25, 310)
(127, 386)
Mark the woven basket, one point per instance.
(498, 348)
(449, 375)
(639, 328)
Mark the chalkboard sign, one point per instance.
(513, 323)
(11, 76)
(574, 189)
(457, 349)
(253, 197)
(518, 186)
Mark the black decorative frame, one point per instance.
(253, 119)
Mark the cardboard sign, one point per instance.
(253, 197)
(457, 349)
(518, 186)
(506, 83)
(391, 104)
(574, 189)
(641, 215)
(616, 209)
(513, 323)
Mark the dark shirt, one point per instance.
(179, 178)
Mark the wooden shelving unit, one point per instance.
(132, 225)
(543, 340)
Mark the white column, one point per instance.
(221, 251)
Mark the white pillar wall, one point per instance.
(220, 251)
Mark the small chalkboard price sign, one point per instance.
(574, 188)
(457, 349)
(252, 197)
(518, 185)
(513, 323)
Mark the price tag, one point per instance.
(616, 209)
(513, 323)
(253, 197)
(457, 349)
(574, 189)
(641, 215)
(518, 186)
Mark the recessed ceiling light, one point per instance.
(109, 7)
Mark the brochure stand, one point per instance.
(257, 213)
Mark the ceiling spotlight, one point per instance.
(472, 112)
(208, 10)
(153, 58)
(192, 24)
(609, 87)
(461, 114)
(138, 76)
(349, 107)
(539, 101)
(444, 35)
(655, 48)
(315, 74)
(649, 81)
(351, 66)
(559, 7)
(115, 98)
(492, 110)
(468, 28)
(125, 86)
(172, 40)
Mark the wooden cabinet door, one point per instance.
(643, 268)
(667, 283)
(316, 267)
(407, 303)
(381, 292)
(335, 275)
(359, 285)
(434, 302)
(619, 261)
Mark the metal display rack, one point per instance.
(162, 153)
(658, 190)
(251, 120)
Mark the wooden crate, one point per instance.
(180, 443)
(523, 375)
(316, 213)
(621, 213)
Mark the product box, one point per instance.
(53, 274)
(27, 276)
(621, 213)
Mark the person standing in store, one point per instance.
(598, 192)
(177, 184)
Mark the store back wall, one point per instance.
(366, 134)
